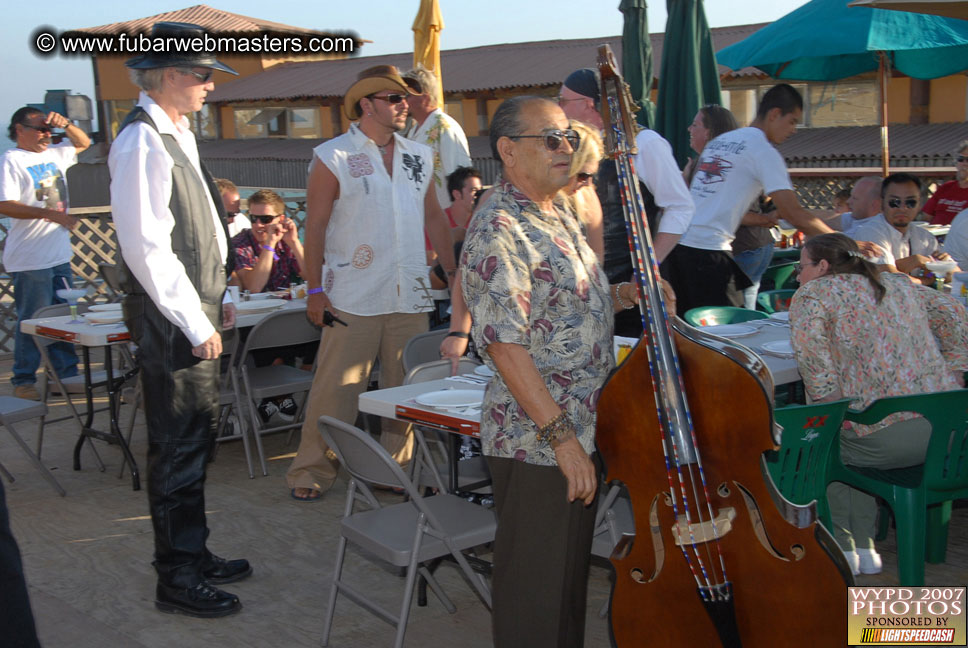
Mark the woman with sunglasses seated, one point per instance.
(863, 334)
(268, 257)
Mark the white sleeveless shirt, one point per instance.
(374, 253)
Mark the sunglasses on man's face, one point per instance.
(553, 138)
(265, 220)
(390, 98)
(203, 77)
(45, 129)
(910, 203)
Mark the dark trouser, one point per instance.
(704, 278)
(16, 620)
(541, 555)
(181, 402)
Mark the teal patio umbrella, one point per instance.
(825, 40)
(637, 57)
(689, 77)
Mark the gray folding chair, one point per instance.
(423, 347)
(14, 410)
(408, 534)
(283, 328)
(473, 474)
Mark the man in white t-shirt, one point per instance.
(37, 253)
(732, 171)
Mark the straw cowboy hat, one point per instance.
(373, 80)
(181, 31)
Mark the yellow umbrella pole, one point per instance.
(882, 81)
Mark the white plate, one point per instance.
(103, 318)
(781, 315)
(450, 398)
(483, 370)
(779, 347)
(104, 308)
(730, 330)
(260, 305)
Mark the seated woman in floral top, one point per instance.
(270, 254)
(863, 335)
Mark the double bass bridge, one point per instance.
(686, 533)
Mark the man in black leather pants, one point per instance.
(170, 224)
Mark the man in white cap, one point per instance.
(170, 224)
(371, 240)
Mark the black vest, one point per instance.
(193, 236)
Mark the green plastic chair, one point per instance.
(771, 301)
(800, 467)
(779, 277)
(919, 496)
(712, 315)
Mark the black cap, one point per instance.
(178, 30)
(585, 82)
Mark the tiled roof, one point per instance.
(214, 20)
(910, 145)
(845, 146)
(489, 67)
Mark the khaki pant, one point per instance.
(346, 356)
(853, 512)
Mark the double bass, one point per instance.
(683, 423)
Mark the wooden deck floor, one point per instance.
(87, 560)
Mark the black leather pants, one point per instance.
(180, 396)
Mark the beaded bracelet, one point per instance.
(627, 305)
(556, 428)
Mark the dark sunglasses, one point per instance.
(962, 158)
(390, 98)
(265, 220)
(552, 138)
(204, 77)
(40, 129)
(584, 177)
(894, 203)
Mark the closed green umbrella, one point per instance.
(689, 78)
(637, 57)
(825, 40)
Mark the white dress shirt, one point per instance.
(656, 167)
(141, 187)
(956, 241)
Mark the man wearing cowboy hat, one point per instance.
(371, 239)
(169, 220)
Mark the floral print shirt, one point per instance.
(908, 344)
(529, 278)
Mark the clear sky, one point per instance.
(467, 23)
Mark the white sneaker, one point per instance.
(853, 559)
(869, 561)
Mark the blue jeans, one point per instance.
(34, 289)
(754, 263)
